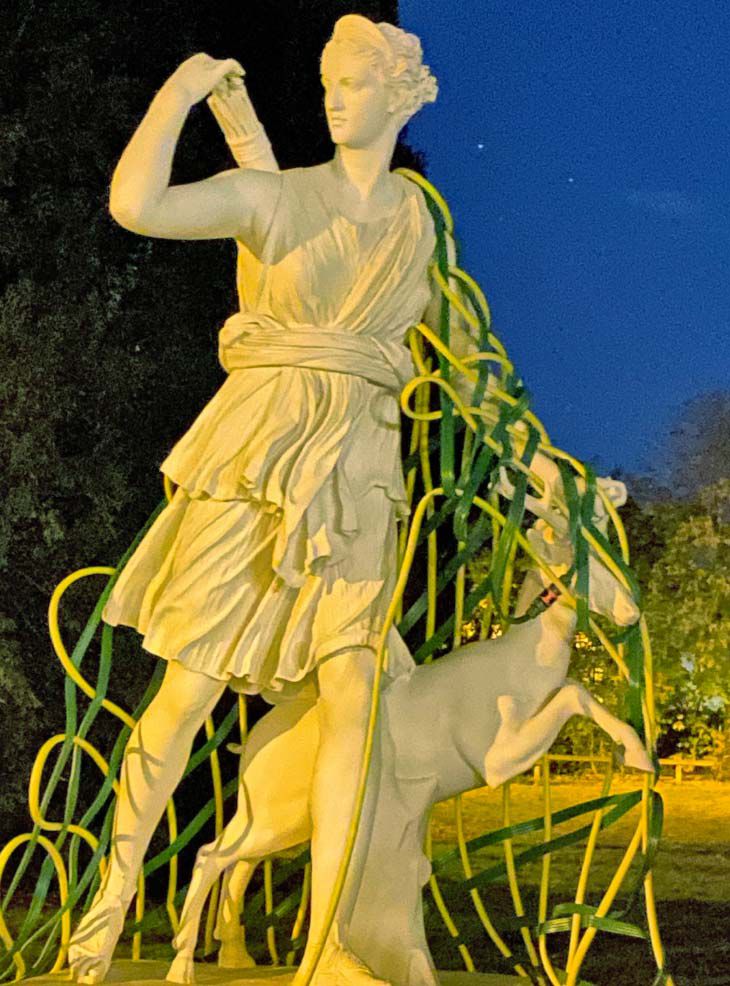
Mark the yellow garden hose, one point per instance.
(467, 301)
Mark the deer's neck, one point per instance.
(554, 627)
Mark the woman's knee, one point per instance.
(346, 684)
(186, 697)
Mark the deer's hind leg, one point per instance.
(233, 953)
(272, 814)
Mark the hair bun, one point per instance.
(400, 53)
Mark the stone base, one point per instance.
(153, 971)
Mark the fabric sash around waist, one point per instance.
(249, 340)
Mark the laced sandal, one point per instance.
(92, 944)
(341, 967)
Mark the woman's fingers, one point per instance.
(230, 76)
(201, 74)
(234, 67)
(227, 68)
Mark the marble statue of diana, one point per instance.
(271, 569)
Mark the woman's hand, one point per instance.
(200, 74)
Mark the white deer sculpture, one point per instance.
(485, 711)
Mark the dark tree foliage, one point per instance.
(698, 445)
(108, 340)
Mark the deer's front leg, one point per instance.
(521, 741)
(621, 732)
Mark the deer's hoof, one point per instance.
(91, 972)
(182, 970)
(636, 756)
(235, 955)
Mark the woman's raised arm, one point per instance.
(141, 198)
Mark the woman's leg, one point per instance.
(154, 761)
(345, 684)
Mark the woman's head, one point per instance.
(374, 77)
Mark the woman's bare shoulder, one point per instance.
(313, 168)
(249, 181)
(306, 175)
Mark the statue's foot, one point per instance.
(182, 969)
(92, 944)
(340, 967)
(233, 954)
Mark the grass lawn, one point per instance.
(692, 880)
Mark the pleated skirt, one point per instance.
(202, 589)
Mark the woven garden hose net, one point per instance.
(455, 452)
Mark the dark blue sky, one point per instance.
(596, 213)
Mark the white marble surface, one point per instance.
(149, 971)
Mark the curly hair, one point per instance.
(394, 52)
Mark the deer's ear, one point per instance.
(615, 490)
(549, 544)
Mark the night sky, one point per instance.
(584, 151)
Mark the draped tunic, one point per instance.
(279, 546)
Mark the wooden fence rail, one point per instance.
(679, 764)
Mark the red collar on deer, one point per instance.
(549, 595)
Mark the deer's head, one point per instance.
(544, 504)
(607, 595)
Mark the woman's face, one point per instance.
(356, 99)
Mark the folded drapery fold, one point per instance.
(280, 545)
(250, 339)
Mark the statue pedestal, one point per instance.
(149, 971)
